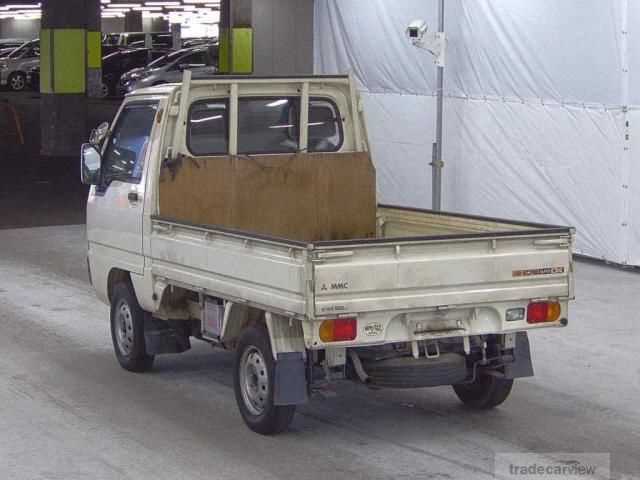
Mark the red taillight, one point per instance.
(339, 330)
(345, 329)
(542, 312)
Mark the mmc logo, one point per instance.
(335, 286)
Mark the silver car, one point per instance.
(14, 67)
(202, 61)
(8, 45)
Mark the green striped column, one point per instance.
(236, 37)
(70, 68)
(94, 63)
(236, 50)
(63, 60)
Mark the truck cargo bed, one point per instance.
(420, 259)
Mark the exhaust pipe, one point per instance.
(357, 365)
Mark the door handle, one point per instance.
(133, 197)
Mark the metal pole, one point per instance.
(437, 163)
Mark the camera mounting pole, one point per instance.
(437, 163)
(434, 43)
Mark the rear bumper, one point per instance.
(379, 328)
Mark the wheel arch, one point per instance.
(116, 276)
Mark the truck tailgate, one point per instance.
(408, 274)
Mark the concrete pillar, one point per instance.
(160, 25)
(176, 32)
(94, 49)
(133, 21)
(283, 37)
(266, 37)
(69, 46)
(236, 36)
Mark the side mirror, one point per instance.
(90, 164)
(99, 133)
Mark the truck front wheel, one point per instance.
(127, 330)
(254, 384)
(485, 392)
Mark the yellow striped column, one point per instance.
(70, 66)
(236, 37)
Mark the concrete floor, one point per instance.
(69, 412)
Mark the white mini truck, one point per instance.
(434, 299)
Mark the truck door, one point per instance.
(115, 206)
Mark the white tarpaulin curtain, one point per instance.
(542, 114)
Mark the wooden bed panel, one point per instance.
(307, 197)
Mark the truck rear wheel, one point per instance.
(127, 330)
(254, 384)
(485, 392)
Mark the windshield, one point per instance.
(110, 39)
(109, 57)
(29, 48)
(167, 59)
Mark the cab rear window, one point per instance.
(208, 132)
(266, 125)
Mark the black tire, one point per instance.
(17, 81)
(485, 392)
(265, 418)
(127, 330)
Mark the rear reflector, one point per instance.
(515, 314)
(339, 330)
(543, 312)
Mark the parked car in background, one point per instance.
(158, 41)
(117, 63)
(196, 42)
(14, 67)
(107, 49)
(202, 61)
(8, 45)
(136, 73)
(137, 39)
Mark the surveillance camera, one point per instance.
(416, 30)
(434, 43)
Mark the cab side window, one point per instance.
(325, 126)
(123, 159)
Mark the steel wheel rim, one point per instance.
(124, 328)
(17, 82)
(254, 380)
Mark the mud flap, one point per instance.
(290, 379)
(521, 365)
